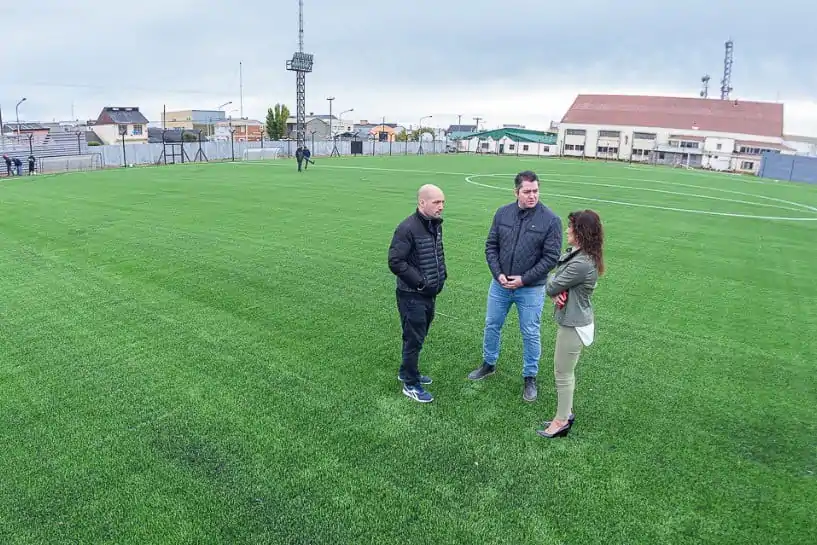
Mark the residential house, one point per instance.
(510, 141)
(245, 130)
(114, 120)
(193, 120)
(382, 132)
(456, 132)
(317, 126)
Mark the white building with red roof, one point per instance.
(698, 132)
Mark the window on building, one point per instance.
(684, 144)
(756, 151)
(525, 147)
(719, 147)
(575, 132)
(485, 145)
(747, 165)
(545, 149)
(644, 136)
(579, 147)
(137, 130)
(609, 134)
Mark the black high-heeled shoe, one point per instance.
(571, 417)
(562, 432)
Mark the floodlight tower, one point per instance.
(301, 64)
(726, 82)
(705, 90)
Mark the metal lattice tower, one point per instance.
(301, 64)
(726, 82)
(705, 90)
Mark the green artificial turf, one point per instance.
(208, 353)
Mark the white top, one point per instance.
(586, 333)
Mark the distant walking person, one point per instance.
(523, 245)
(299, 156)
(307, 158)
(7, 159)
(571, 288)
(417, 259)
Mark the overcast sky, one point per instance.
(506, 63)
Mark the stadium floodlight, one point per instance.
(301, 64)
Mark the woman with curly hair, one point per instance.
(571, 287)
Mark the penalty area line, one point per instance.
(469, 180)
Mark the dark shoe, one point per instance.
(483, 371)
(561, 432)
(423, 379)
(529, 391)
(571, 417)
(417, 393)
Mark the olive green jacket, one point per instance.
(575, 273)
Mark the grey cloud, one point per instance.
(150, 49)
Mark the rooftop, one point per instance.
(683, 113)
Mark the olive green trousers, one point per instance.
(565, 357)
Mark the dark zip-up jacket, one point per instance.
(416, 255)
(524, 242)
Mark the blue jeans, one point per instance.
(529, 304)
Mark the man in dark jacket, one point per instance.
(417, 259)
(523, 245)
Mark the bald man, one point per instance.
(417, 259)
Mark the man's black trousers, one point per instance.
(416, 314)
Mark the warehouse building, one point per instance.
(696, 132)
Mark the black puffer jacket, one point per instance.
(416, 255)
(524, 242)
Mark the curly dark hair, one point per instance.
(589, 233)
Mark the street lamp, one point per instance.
(420, 131)
(17, 111)
(218, 110)
(340, 116)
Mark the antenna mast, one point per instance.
(300, 26)
(726, 82)
(301, 64)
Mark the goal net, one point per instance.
(257, 154)
(69, 163)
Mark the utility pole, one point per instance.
(241, 87)
(330, 99)
(477, 119)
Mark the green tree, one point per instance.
(412, 136)
(416, 133)
(276, 124)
